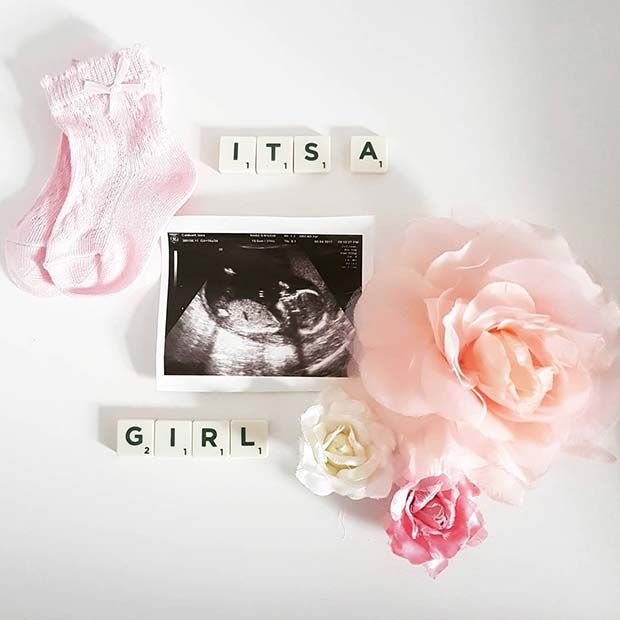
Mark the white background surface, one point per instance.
(498, 108)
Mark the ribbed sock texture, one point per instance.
(128, 175)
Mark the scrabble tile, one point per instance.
(249, 438)
(238, 154)
(135, 437)
(173, 438)
(369, 154)
(312, 154)
(211, 438)
(274, 154)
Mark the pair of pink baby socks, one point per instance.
(119, 178)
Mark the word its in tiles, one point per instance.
(299, 154)
(197, 438)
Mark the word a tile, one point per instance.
(369, 154)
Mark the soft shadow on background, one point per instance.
(141, 334)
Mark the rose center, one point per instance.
(342, 450)
(437, 513)
(507, 371)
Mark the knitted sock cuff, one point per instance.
(68, 88)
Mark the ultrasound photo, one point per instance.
(260, 304)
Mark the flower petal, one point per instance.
(445, 394)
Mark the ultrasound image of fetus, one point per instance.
(262, 306)
(263, 310)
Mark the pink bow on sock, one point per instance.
(117, 86)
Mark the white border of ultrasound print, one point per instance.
(353, 225)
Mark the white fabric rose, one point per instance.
(345, 450)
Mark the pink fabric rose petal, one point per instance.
(433, 519)
(565, 292)
(395, 380)
(500, 340)
(428, 238)
(447, 395)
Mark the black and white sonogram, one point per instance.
(260, 304)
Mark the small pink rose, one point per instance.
(432, 520)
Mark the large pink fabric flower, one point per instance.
(503, 335)
(431, 521)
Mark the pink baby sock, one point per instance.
(128, 175)
(25, 249)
